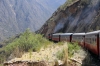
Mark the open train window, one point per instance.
(87, 40)
(94, 42)
(90, 42)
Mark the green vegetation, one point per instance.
(29, 42)
(63, 53)
(72, 47)
(1, 64)
(60, 54)
(67, 3)
(26, 42)
(60, 43)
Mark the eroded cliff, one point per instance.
(78, 16)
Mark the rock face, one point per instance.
(17, 15)
(79, 16)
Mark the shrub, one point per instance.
(60, 54)
(26, 42)
(63, 53)
(72, 47)
(67, 3)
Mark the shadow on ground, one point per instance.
(91, 60)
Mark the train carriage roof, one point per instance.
(57, 33)
(62, 33)
(79, 33)
(67, 34)
(94, 32)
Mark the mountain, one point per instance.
(74, 16)
(18, 15)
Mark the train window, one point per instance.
(77, 39)
(80, 39)
(93, 42)
(90, 40)
(87, 40)
(94, 39)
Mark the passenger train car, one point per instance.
(56, 37)
(66, 37)
(49, 36)
(79, 37)
(92, 42)
(89, 40)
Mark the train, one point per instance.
(89, 40)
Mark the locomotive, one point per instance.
(89, 40)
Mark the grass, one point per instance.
(27, 42)
(1, 64)
(60, 54)
(63, 53)
(60, 43)
(31, 42)
(67, 3)
(72, 47)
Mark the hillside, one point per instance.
(74, 16)
(30, 49)
(17, 15)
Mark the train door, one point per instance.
(99, 45)
(71, 38)
(59, 37)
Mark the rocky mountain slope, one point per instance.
(17, 15)
(76, 16)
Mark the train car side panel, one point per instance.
(55, 37)
(79, 38)
(65, 38)
(99, 45)
(91, 43)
